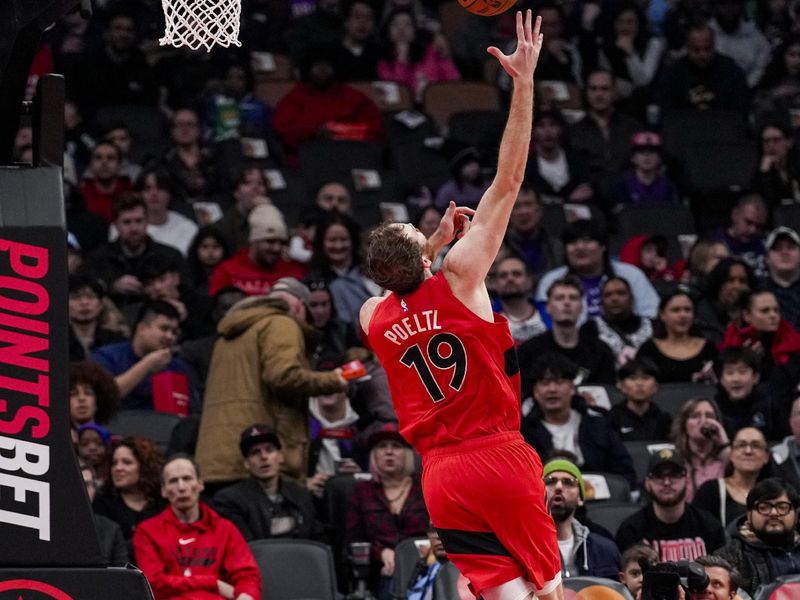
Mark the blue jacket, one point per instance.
(602, 448)
(120, 357)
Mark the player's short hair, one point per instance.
(394, 261)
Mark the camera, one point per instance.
(661, 580)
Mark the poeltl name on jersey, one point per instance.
(427, 320)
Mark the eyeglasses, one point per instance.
(741, 445)
(781, 508)
(566, 482)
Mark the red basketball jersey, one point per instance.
(452, 375)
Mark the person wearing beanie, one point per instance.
(256, 267)
(582, 552)
(260, 373)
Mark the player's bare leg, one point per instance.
(522, 589)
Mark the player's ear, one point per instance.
(426, 262)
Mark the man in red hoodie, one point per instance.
(189, 552)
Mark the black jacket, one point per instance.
(108, 262)
(602, 448)
(591, 353)
(246, 504)
(758, 563)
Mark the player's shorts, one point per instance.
(486, 499)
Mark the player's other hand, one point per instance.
(522, 62)
(455, 221)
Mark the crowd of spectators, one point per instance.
(194, 292)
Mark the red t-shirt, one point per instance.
(452, 375)
(243, 272)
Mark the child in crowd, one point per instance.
(94, 442)
(637, 417)
(741, 402)
(632, 575)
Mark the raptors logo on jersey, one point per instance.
(453, 376)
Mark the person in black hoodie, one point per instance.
(561, 421)
(740, 400)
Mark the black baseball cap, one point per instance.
(665, 456)
(257, 434)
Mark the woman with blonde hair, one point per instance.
(698, 433)
(387, 509)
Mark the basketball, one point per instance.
(487, 8)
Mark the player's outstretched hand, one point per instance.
(522, 63)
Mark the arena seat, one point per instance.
(406, 557)
(148, 423)
(415, 166)
(718, 168)
(479, 128)
(376, 91)
(669, 220)
(270, 92)
(283, 71)
(640, 454)
(788, 216)
(610, 514)
(786, 587)
(295, 569)
(446, 98)
(334, 160)
(146, 124)
(671, 396)
(683, 128)
(618, 487)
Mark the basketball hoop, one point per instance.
(196, 23)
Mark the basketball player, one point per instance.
(454, 378)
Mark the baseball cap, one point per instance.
(292, 286)
(665, 456)
(386, 432)
(645, 139)
(257, 434)
(563, 465)
(780, 232)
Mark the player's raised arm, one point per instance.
(470, 259)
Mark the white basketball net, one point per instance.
(196, 23)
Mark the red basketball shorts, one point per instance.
(486, 499)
